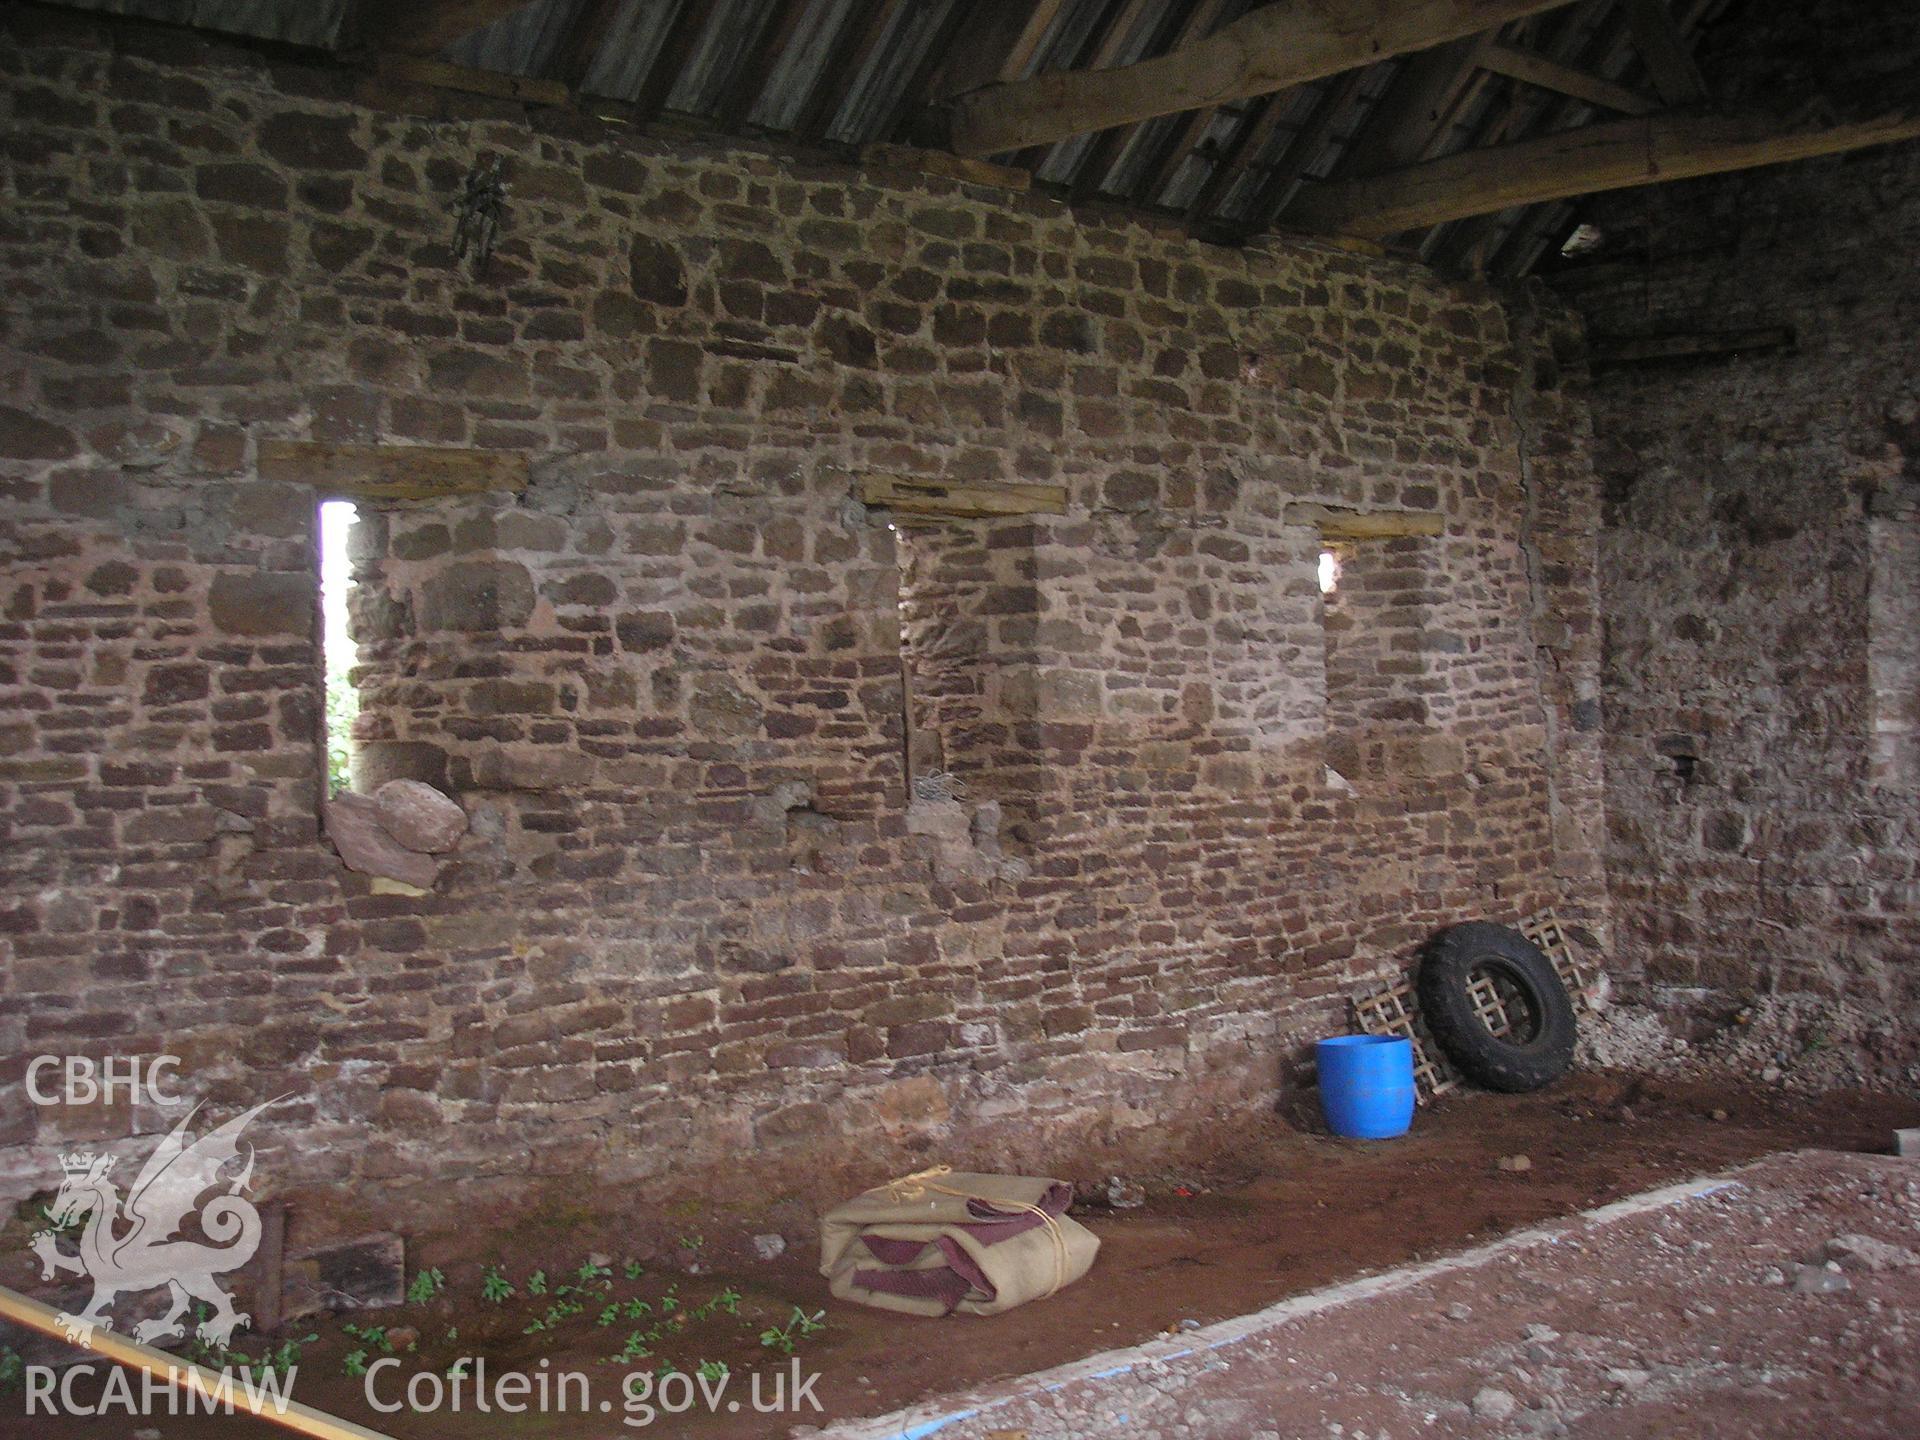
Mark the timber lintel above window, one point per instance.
(1335, 523)
(392, 472)
(912, 495)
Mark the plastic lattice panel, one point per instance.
(1395, 1010)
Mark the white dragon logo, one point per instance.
(144, 1255)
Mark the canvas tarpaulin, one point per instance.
(940, 1241)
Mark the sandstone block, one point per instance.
(264, 603)
(27, 437)
(655, 273)
(419, 816)
(354, 827)
(306, 141)
(474, 595)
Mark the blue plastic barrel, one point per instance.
(1366, 1085)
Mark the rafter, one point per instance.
(750, 78)
(1418, 105)
(1279, 45)
(1546, 73)
(1307, 142)
(1488, 236)
(1039, 21)
(858, 36)
(573, 57)
(1104, 49)
(1522, 110)
(912, 100)
(1246, 145)
(670, 63)
(1664, 51)
(1614, 156)
(1091, 177)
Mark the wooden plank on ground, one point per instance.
(392, 472)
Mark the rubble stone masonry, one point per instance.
(696, 922)
(1761, 557)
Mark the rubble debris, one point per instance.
(1803, 1043)
(1820, 1279)
(1492, 1404)
(1863, 1252)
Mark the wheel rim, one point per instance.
(1504, 1002)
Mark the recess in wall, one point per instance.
(480, 211)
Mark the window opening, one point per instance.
(337, 650)
(1329, 572)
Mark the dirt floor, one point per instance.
(1782, 1300)
(1277, 1212)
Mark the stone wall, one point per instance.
(696, 918)
(1758, 560)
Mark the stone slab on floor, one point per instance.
(1707, 1308)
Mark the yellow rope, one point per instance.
(911, 1187)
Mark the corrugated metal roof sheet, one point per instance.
(523, 43)
(1305, 134)
(315, 22)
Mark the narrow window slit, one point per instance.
(338, 655)
(1329, 571)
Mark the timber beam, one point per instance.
(911, 495)
(1337, 523)
(1549, 74)
(1614, 156)
(1615, 350)
(392, 472)
(1271, 48)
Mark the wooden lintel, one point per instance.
(1335, 523)
(1686, 345)
(1270, 48)
(1613, 156)
(947, 167)
(1549, 74)
(911, 495)
(392, 472)
(444, 75)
